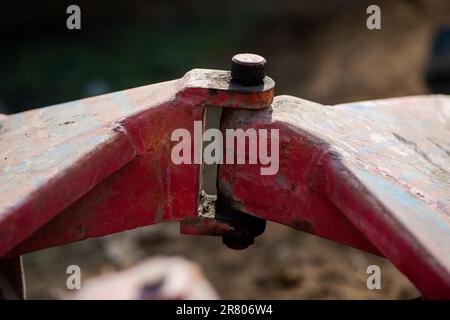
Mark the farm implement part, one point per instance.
(374, 175)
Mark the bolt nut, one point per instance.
(238, 242)
(248, 69)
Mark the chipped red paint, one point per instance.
(369, 174)
(102, 165)
(373, 175)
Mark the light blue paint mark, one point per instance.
(61, 157)
(417, 216)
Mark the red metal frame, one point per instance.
(368, 174)
(105, 164)
(372, 175)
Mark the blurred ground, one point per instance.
(282, 264)
(315, 50)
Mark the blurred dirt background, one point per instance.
(316, 50)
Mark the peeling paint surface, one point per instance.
(375, 171)
(102, 165)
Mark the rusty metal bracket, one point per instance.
(216, 218)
